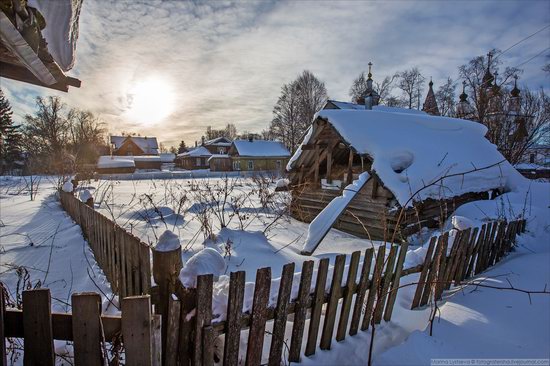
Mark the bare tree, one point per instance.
(298, 103)
(411, 82)
(87, 135)
(446, 98)
(359, 88)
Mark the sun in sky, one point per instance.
(149, 100)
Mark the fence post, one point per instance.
(37, 326)
(3, 357)
(166, 268)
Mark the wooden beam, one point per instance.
(375, 185)
(329, 165)
(350, 167)
(316, 166)
(312, 146)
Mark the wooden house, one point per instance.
(37, 42)
(419, 169)
(218, 146)
(134, 145)
(258, 155)
(109, 164)
(196, 158)
(220, 163)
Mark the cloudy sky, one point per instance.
(170, 69)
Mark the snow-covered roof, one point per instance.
(412, 150)
(382, 108)
(61, 31)
(198, 151)
(220, 141)
(149, 158)
(108, 161)
(149, 145)
(259, 148)
(218, 156)
(167, 157)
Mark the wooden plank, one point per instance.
(258, 317)
(156, 339)
(441, 267)
(208, 346)
(468, 258)
(334, 296)
(234, 314)
(203, 314)
(450, 265)
(121, 265)
(145, 268)
(135, 265)
(382, 297)
(300, 310)
(317, 307)
(432, 273)
(496, 243)
(392, 296)
(461, 256)
(136, 330)
(350, 167)
(86, 308)
(3, 353)
(482, 247)
(349, 290)
(37, 325)
(279, 323)
(475, 254)
(316, 166)
(378, 267)
(172, 331)
(329, 164)
(423, 273)
(361, 292)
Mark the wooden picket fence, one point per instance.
(124, 258)
(136, 329)
(190, 331)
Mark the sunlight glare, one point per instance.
(150, 100)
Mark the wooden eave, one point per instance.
(18, 61)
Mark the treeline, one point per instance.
(56, 139)
(513, 131)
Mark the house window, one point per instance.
(278, 164)
(251, 165)
(198, 161)
(236, 165)
(221, 150)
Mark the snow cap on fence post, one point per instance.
(87, 198)
(166, 267)
(67, 187)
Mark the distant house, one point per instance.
(196, 158)
(134, 145)
(536, 162)
(258, 155)
(398, 159)
(220, 163)
(218, 145)
(108, 164)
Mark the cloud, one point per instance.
(227, 61)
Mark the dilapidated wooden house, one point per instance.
(417, 165)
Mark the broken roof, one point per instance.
(259, 148)
(411, 151)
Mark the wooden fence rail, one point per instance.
(125, 260)
(348, 305)
(136, 329)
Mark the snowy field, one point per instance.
(246, 221)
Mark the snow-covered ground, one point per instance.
(485, 323)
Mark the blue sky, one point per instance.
(211, 63)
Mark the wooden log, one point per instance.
(234, 314)
(37, 325)
(350, 167)
(334, 296)
(361, 292)
(349, 290)
(258, 317)
(317, 307)
(385, 285)
(172, 334)
(86, 317)
(424, 273)
(136, 330)
(300, 311)
(279, 324)
(378, 267)
(203, 314)
(396, 278)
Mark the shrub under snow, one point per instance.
(206, 261)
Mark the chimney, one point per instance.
(202, 140)
(196, 143)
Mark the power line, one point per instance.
(522, 40)
(537, 55)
